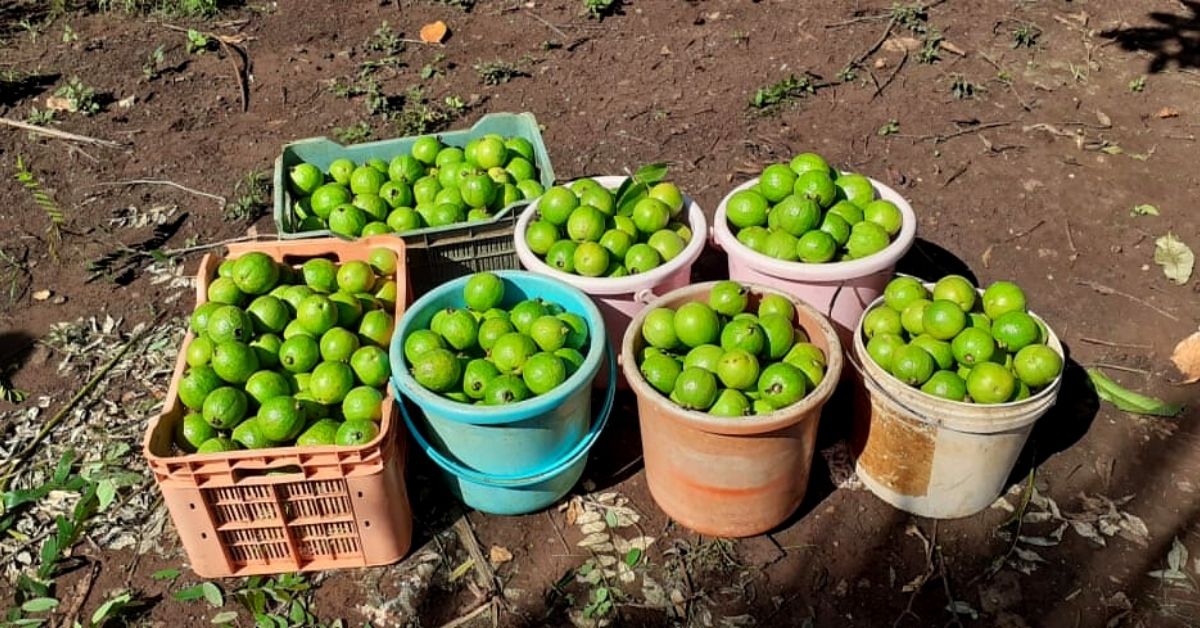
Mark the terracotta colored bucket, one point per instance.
(729, 477)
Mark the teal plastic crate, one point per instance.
(435, 254)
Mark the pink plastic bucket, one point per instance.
(840, 290)
(620, 298)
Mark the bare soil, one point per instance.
(1031, 178)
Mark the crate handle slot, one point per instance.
(300, 258)
(287, 468)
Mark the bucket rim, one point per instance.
(743, 426)
(873, 374)
(549, 472)
(828, 272)
(404, 382)
(614, 285)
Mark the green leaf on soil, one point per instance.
(39, 605)
(212, 593)
(1129, 401)
(111, 608)
(106, 492)
(462, 569)
(1144, 210)
(165, 574)
(63, 469)
(225, 617)
(188, 594)
(632, 557)
(1175, 257)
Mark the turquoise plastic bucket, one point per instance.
(518, 494)
(514, 440)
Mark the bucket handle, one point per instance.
(852, 358)
(480, 478)
(644, 296)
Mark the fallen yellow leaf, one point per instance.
(1187, 358)
(499, 555)
(434, 32)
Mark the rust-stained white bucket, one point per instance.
(935, 457)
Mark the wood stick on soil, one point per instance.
(82, 590)
(547, 23)
(1106, 343)
(945, 581)
(1105, 290)
(29, 449)
(938, 138)
(239, 71)
(891, 77)
(887, 32)
(562, 539)
(1118, 367)
(487, 576)
(476, 612)
(61, 135)
(220, 199)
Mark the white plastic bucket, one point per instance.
(620, 298)
(840, 290)
(936, 457)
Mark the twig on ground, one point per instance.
(547, 23)
(239, 71)
(487, 604)
(219, 199)
(561, 538)
(1106, 343)
(1009, 84)
(1021, 234)
(1105, 290)
(82, 589)
(919, 582)
(1017, 517)
(487, 576)
(62, 135)
(29, 449)
(204, 247)
(1118, 367)
(858, 20)
(891, 77)
(938, 138)
(957, 173)
(1070, 239)
(887, 32)
(954, 620)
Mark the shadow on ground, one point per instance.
(1173, 39)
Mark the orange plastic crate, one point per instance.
(287, 509)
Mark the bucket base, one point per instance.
(920, 506)
(498, 499)
(722, 524)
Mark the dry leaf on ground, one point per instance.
(1187, 358)
(433, 32)
(1168, 112)
(58, 103)
(498, 555)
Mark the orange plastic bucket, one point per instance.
(729, 477)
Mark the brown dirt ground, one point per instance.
(670, 81)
